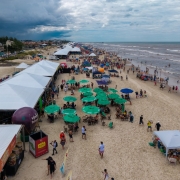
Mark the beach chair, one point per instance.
(111, 125)
(172, 161)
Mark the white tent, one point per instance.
(49, 64)
(62, 52)
(92, 55)
(39, 70)
(75, 49)
(22, 66)
(169, 138)
(14, 97)
(28, 80)
(7, 141)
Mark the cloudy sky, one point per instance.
(91, 20)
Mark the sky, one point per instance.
(91, 20)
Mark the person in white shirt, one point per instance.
(83, 132)
(101, 149)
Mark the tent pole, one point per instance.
(23, 132)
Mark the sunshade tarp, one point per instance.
(101, 82)
(8, 132)
(22, 66)
(28, 80)
(113, 71)
(14, 97)
(169, 138)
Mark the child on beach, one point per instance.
(169, 91)
(176, 89)
(149, 126)
(141, 120)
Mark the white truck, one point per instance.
(53, 57)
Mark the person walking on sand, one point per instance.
(63, 142)
(141, 120)
(173, 88)
(169, 91)
(101, 149)
(149, 126)
(176, 89)
(52, 167)
(65, 90)
(157, 126)
(92, 84)
(55, 145)
(48, 163)
(83, 132)
(126, 77)
(155, 83)
(105, 173)
(71, 136)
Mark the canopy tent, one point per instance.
(75, 49)
(22, 66)
(100, 83)
(113, 71)
(92, 55)
(7, 141)
(39, 70)
(62, 52)
(169, 138)
(14, 97)
(28, 80)
(49, 64)
(96, 72)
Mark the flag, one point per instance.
(69, 177)
(62, 168)
(65, 157)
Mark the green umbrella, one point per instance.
(84, 90)
(103, 102)
(83, 81)
(113, 96)
(101, 96)
(98, 90)
(120, 101)
(69, 111)
(101, 93)
(71, 118)
(112, 90)
(88, 99)
(71, 81)
(87, 94)
(51, 109)
(70, 99)
(91, 109)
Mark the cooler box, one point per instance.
(38, 144)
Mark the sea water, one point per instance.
(165, 57)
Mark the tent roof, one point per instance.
(92, 54)
(96, 72)
(39, 70)
(14, 97)
(170, 138)
(66, 50)
(22, 66)
(28, 80)
(75, 49)
(49, 64)
(8, 132)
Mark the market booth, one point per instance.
(11, 151)
(38, 144)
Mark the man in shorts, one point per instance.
(52, 167)
(101, 149)
(71, 136)
(149, 126)
(141, 120)
(83, 132)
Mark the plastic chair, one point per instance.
(111, 125)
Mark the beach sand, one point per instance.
(128, 155)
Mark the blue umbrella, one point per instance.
(126, 90)
(106, 76)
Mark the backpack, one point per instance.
(56, 144)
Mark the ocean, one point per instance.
(165, 57)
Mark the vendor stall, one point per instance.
(170, 139)
(11, 151)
